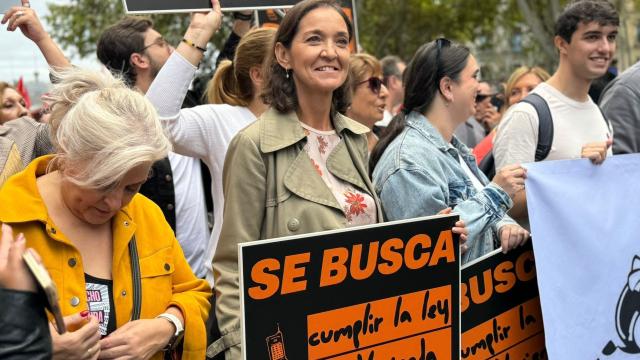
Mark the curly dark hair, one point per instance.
(280, 91)
(585, 11)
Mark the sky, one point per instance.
(21, 57)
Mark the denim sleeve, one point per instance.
(410, 193)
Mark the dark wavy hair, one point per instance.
(280, 92)
(585, 11)
(429, 65)
(118, 42)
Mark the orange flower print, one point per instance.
(315, 164)
(322, 144)
(355, 204)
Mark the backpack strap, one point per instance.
(545, 125)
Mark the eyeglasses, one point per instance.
(159, 41)
(375, 84)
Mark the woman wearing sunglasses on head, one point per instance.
(420, 167)
(368, 93)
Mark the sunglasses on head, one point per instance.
(375, 84)
(440, 43)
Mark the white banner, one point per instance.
(585, 223)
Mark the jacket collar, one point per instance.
(424, 127)
(23, 186)
(278, 130)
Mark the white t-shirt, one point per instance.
(192, 230)
(474, 180)
(574, 125)
(202, 132)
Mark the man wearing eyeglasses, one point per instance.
(133, 49)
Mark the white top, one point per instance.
(474, 180)
(192, 230)
(386, 119)
(203, 132)
(359, 207)
(574, 125)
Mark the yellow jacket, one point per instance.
(166, 276)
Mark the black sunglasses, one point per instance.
(481, 97)
(375, 84)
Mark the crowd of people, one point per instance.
(297, 135)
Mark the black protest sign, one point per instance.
(375, 292)
(501, 316)
(272, 18)
(175, 6)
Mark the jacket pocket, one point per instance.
(459, 191)
(156, 272)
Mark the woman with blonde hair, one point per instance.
(520, 83)
(120, 271)
(205, 131)
(368, 93)
(13, 104)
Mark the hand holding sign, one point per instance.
(199, 32)
(26, 19)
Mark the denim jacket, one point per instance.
(419, 174)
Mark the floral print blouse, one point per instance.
(358, 206)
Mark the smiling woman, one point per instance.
(302, 166)
(13, 104)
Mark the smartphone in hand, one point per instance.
(46, 283)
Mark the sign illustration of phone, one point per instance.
(275, 344)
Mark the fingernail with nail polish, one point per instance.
(84, 313)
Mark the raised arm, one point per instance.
(188, 129)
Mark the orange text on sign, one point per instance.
(386, 258)
(502, 278)
(377, 322)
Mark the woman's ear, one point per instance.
(282, 56)
(255, 73)
(445, 88)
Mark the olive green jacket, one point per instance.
(271, 189)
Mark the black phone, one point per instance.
(497, 101)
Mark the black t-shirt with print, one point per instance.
(100, 303)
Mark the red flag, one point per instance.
(24, 92)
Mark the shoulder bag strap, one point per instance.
(135, 277)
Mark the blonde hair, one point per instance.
(3, 86)
(360, 65)
(518, 73)
(101, 128)
(231, 84)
